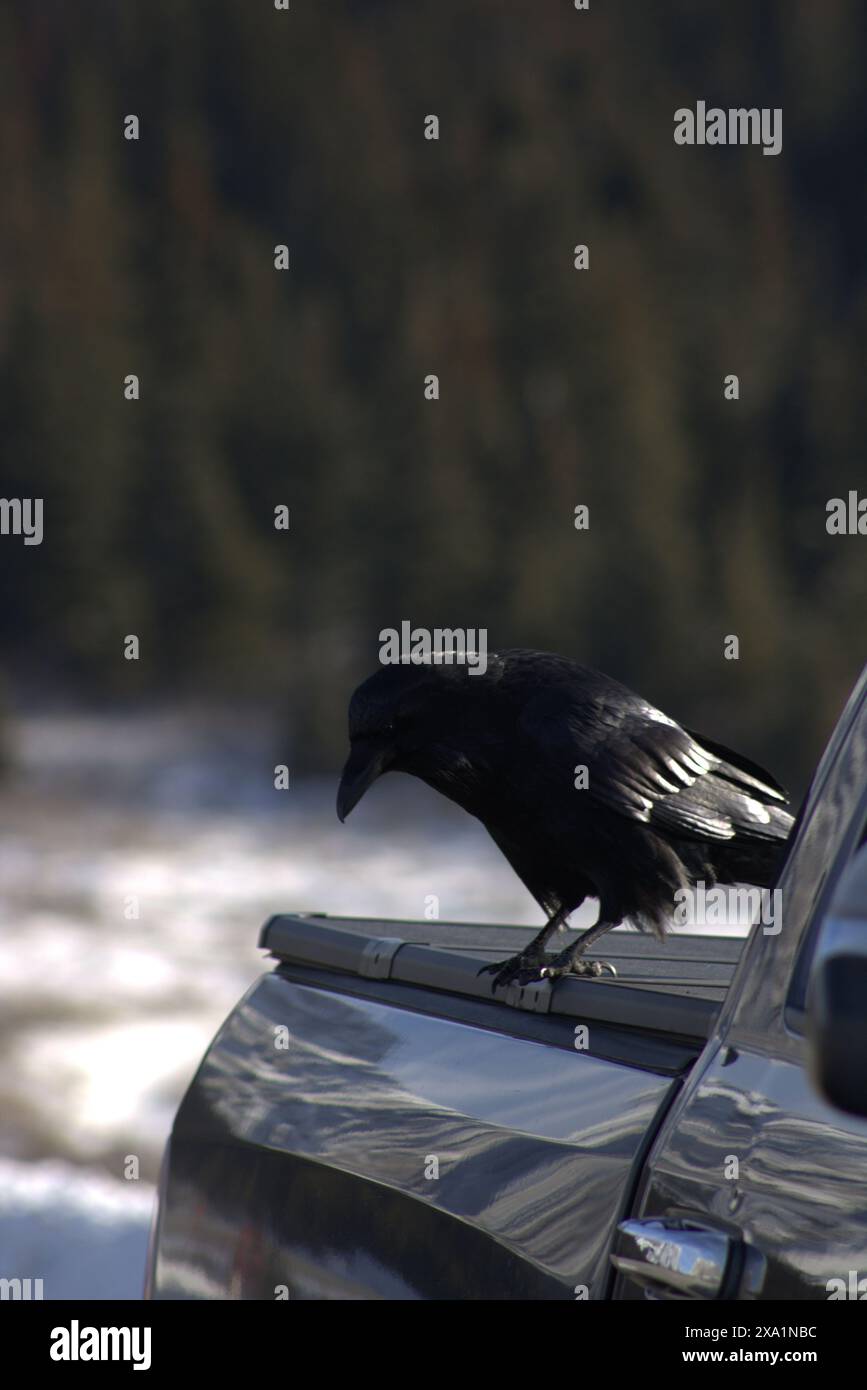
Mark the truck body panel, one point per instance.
(387, 1153)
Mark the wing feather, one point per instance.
(644, 766)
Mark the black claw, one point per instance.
(489, 969)
(521, 970)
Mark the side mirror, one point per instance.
(837, 994)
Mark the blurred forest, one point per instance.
(454, 257)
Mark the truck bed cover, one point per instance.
(674, 988)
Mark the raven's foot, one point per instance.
(569, 964)
(530, 967)
(520, 969)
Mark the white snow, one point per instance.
(82, 1234)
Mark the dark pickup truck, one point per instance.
(372, 1122)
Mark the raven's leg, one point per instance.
(569, 962)
(529, 961)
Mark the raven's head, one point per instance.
(425, 720)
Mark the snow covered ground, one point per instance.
(79, 1233)
(138, 859)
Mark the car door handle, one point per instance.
(673, 1259)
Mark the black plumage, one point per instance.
(662, 807)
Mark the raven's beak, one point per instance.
(363, 766)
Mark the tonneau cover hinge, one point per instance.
(534, 998)
(377, 956)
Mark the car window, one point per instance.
(852, 840)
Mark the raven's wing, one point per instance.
(644, 766)
(741, 765)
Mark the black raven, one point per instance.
(655, 809)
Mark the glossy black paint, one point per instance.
(310, 1167)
